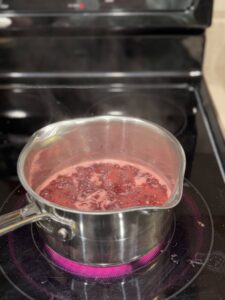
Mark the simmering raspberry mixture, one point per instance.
(105, 185)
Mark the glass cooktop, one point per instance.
(191, 265)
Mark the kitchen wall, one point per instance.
(214, 66)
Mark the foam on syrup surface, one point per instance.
(105, 185)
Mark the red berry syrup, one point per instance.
(105, 185)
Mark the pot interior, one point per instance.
(63, 144)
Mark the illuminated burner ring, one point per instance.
(108, 272)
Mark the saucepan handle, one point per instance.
(18, 218)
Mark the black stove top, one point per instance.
(192, 266)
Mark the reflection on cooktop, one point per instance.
(161, 110)
(23, 110)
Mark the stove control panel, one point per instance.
(104, 15)
(131, 5)
(95, 5)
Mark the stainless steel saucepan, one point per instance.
(98, 237)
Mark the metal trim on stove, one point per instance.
(212, 126)
(147, 74)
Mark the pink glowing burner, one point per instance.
(89, 271)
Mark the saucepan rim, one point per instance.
(51, 130)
